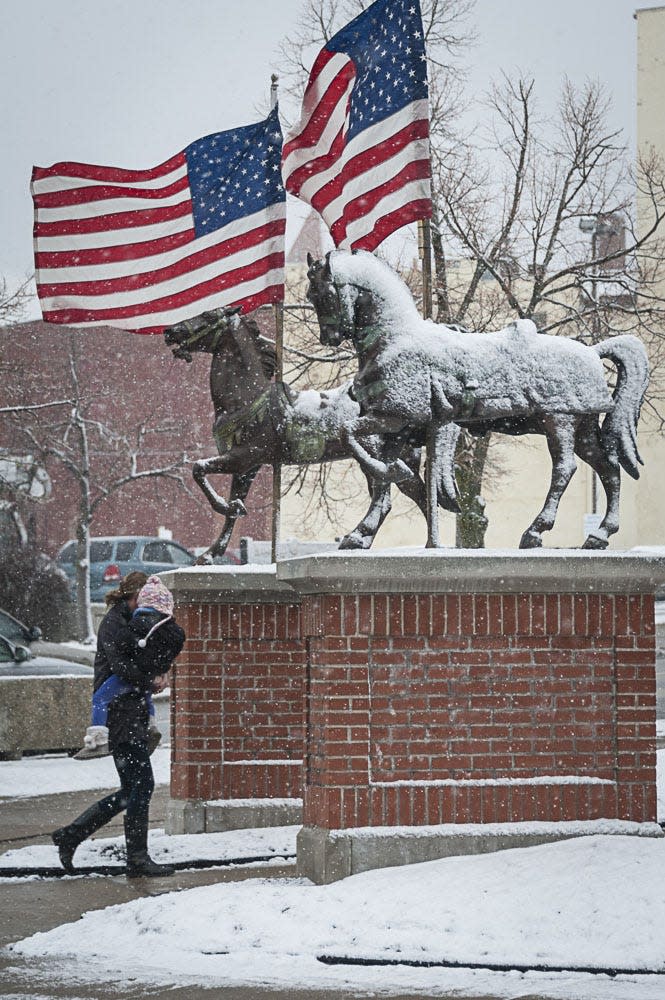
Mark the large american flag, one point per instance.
(360, 154)
(142, 249)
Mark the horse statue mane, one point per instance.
(263, 345)
(366, 271)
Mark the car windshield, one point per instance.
(6, 653)
(12, 630)
(180, 556)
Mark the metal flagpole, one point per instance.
(278, 310)
(425, 254)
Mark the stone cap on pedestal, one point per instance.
(442, 571)
(254, 583)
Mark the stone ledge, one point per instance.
(195, 816)
(446, 571)
(228, 585)
(325, 856)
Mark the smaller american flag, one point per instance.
(360, 154)
(142, 249)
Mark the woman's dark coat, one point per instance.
(119, 654)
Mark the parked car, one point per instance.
(16, 632)
(18, 659)
(113, 557)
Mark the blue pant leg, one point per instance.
(103, 696)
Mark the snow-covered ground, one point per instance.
(595, 901)
(590, 902)
(232, 845)
(51, 773)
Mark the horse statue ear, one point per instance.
(310, 259)
(326, 267)
(233, 310)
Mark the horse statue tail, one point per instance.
(618, 433)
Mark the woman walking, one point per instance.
(128, 719)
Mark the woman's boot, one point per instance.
(139, 862)
(68, 838)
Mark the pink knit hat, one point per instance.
(154, 594)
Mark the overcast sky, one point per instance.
(130, 82)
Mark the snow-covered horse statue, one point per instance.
(260, 422)
(415, 374)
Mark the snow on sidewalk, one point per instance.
(592, 901)
(51, 773)
(231, 845)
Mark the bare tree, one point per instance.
(13, 302)
(100, 458)
(557, 225)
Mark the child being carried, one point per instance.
(157, 642)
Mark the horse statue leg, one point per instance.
(364, 533)
(588, 445)
(380, 506)
(560, 431)
(211, 467)
(240, 487)
(444, 486)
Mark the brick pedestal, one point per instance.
(237, 701)
(463, 702)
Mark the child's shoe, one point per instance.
(95, 743)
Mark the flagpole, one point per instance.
(425, 254)
(278, 310)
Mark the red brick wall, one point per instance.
(237, 701)
(445, 690)
(126, 380)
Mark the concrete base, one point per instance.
(325, 856)
(43, 713)
(185, 816)
(192, 816)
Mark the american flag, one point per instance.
(360, 155)
(142, 249)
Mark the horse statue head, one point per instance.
(352, 291)
(202, 334)
(219, 331)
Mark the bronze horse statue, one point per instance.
(415, 375)
(262, 422)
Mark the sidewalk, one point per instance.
(39, 905)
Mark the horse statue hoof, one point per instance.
(237, 508)
(531, 540)
(205, 559)
(595, 542)
(354, 540)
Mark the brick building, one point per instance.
(127, 381)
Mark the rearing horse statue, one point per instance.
(415, 375)
(261, 422)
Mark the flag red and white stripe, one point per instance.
(125, 247)
(360, 154)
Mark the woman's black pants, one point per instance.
(137, 783)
